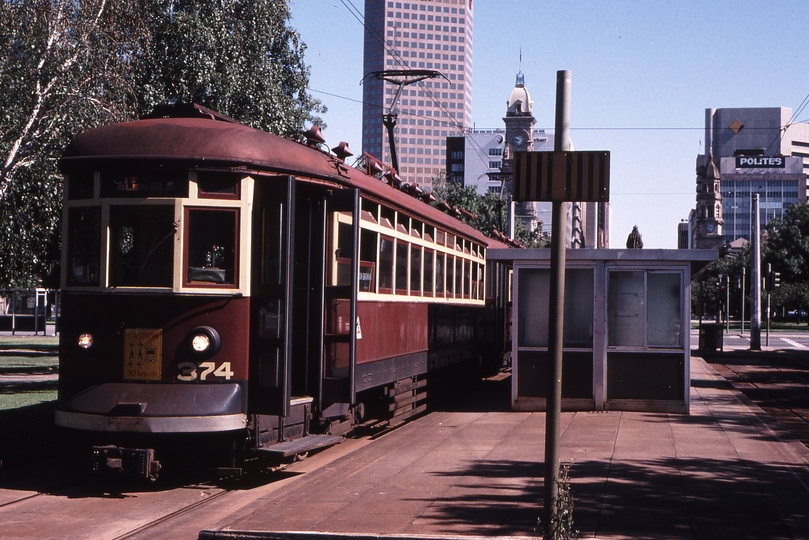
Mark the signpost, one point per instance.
(560, 176)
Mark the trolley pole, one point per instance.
(556, 315)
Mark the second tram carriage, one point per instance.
(227, 288)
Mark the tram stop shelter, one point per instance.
(627, 316)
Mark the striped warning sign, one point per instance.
(562, 176)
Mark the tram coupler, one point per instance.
(133, 462)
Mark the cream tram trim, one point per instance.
(242, 203)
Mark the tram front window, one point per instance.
(84, 244)
(211, 246)
(141, 250)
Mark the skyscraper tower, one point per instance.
(419, 34)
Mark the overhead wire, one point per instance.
(450, 121)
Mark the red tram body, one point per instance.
(225, 288)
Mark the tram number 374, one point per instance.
(189, 371)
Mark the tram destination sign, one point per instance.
(562, 176)
(141, 185)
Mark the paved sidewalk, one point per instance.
(719, 473)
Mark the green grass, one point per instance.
(22, 342)
(14, 398)
(24, 399)
(10, 363)
(775, 326)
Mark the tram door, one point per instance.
(271, 296)
(342, 325)
(299, 233)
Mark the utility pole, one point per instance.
(550, 176)
(743, 285)
(755, 280)
(556, 307)
(727, 304)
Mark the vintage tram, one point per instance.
(227, 290)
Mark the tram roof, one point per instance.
(216, 142)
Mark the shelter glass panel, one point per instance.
(664, 315)
(625, 305)
(534, 316)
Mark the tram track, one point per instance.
(776, 382)
(146, 527)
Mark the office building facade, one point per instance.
(421, 35)
(748, 151)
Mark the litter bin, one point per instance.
(711, 336)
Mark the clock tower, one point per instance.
(708, 226)
(519, 121)
(519, 137)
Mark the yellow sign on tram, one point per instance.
(143, 354)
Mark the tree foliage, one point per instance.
(784, 247)
(488, 212)
(238, 57)
(70, 65)
(786, 250)
(62, 69)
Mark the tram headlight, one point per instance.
(204, 341)
(85, 341)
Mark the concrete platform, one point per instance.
(720, 472)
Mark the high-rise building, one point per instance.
(476, 158)
(423, 35)
(748, 151)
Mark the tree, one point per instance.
(69, 65)
(488, 212)
(787, 251)
(62, 69)
(238, 57)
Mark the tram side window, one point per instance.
(459, 267)
(428, 272)
(385, 264)
(401, 268)
(439, 274)
(415, 270)
(84, 244)
(211, 244)
(141, 246)
(368, 251)
(343, 252)
(466, 276)
(474, 280)
(450, 276)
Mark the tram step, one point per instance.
(302, 445)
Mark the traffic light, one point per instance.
(776, 280)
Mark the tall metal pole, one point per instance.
(556, 306)
(727, 304)
(743, 285)
(755, 281)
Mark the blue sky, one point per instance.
(643, 73)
